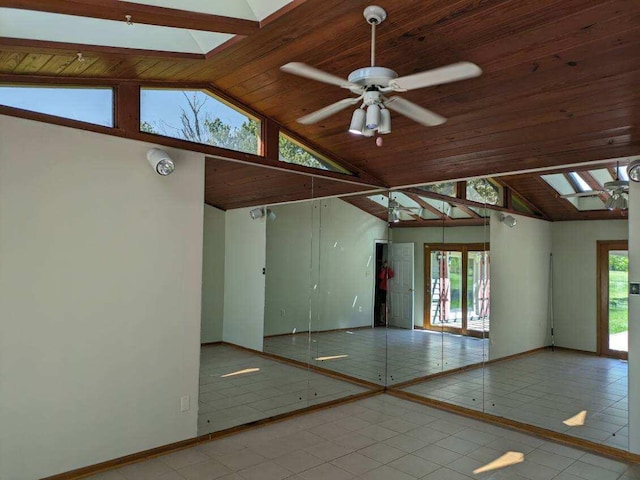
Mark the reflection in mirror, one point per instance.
(414, 346)
(321, 261)
(446, 234)
(557, 324)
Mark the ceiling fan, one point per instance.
(371, 84)
(617, 189)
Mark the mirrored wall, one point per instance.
(461, 292)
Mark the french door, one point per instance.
(457, 288)
(613, 300)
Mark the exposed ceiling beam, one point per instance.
(467, 210)
(28, 45)
(457, 222)
(468, 203)
(145, 14)
(427, 205)
(594, 185)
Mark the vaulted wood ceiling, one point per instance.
(559, 84)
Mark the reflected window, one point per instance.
(519, 205)
(445, 188)
(198, 116)
(483, 190)
(291, 151)
(85, 104)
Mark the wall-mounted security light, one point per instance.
(633, 170)
(508, 220)
(260, 212)
(161, 161)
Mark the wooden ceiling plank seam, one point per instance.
(117, 10)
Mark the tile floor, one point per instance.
(276, 388)
(378, 438)
(379, 355)
(545, 389)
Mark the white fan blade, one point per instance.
(302, 70)
(590, 193)
(437, 76)
(328, 111)
(414, 112)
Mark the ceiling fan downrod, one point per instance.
(374, 15)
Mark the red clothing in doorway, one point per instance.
(385, 274)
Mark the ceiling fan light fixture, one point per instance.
(357, 121)
(385, 121)
(633, 170)
(367, 132)
(619, 202)
(373, 116)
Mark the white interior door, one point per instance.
(400, 291)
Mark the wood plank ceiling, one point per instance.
(559, 83)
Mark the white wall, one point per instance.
(244, 282)
(519, 285)
(634, 319)
(100, 281)
(212, 275)
(420, 236)
(329, 242)
(575, 278)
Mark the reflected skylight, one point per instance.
(559, 183)
(579, 181)
(602, 175)
(622, 173)
(380, 200)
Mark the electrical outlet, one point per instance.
(184, 403)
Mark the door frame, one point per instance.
(464, 248)
(602, 296)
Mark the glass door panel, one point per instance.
(446, 289)
(478, 289)
(618, 305)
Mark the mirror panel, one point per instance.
(569, 271)
(346, 340)
(415, 341)
(471, 299)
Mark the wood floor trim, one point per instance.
(333, 330)
(181, 445)
(298, 363)
(587, 445)
(464, 368)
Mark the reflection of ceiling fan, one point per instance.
(617, 190)
(372, 83)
